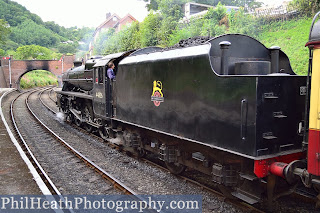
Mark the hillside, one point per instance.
(291, 36)
(29, 29)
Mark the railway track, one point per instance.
(49, 103)
(237, 203)
(27, 120)
(54, 99)
(53, 189)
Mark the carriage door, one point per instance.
(99, 94)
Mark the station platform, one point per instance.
(16, 177)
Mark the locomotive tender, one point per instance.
(230, 108)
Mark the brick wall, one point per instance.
(20, 67)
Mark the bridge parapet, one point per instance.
(21, 67)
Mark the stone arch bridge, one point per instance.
(21, 67)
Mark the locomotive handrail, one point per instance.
(315, 40)
(312, 24)
(244, 115)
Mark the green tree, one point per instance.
(28, 52)
(2, 52)
(247, 4)
(111, 45)
(29, 33)
(217, 13)
(243, 23)
(15, 14)
(152, 5)
(100, 45)
(10, 52)
(168, 25)
(53, 26)
(170, 13)
(307, 7)
(186, 30)
(10, 45)
(209, 25)
(129, 37)
(4, 31)
(155, 4)
(149, 30)
(171, 8)
(28, 28)
(67, 48)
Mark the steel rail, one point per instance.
(235, 202)
(114, 181)
(46, 179)
(49, 108)
(50, 95)
(239, 204)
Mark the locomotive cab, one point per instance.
(103, 105)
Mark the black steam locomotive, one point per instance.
(229, 108)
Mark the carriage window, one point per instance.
(100, 75)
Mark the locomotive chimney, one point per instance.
(108, 15)
(77, 64)
(224, 47)
(274, 59)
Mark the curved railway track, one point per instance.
(50, 137)
(53, 189)
(49, 103)
(54, 99)
(116, 183)
(237, 203)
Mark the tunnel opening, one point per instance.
(37, 78)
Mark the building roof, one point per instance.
(128, 15)
(106, 21)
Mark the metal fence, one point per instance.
(281, 12)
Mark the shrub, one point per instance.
(38, 78)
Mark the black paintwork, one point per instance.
(245, 108)
(289, 103)
(314, 35)
(102, 86)
(99, 92)
(224, 111)
(79, 77)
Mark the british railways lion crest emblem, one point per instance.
(157, 95)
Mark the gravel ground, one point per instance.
(139, 176)
(210, 203)
(70, 175)
(15, 176)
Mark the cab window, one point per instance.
(100, 75)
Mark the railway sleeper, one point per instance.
(232, 175)
(249, 191)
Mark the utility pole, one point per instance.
(10, 83)
(61, 59)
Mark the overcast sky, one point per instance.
(90, 13)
